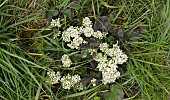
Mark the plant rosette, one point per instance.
(84, 39)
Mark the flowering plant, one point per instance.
(103, 58)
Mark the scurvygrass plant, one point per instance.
(107, 59)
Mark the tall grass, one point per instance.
(27, 50)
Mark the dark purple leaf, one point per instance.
(102, 23)
(87, 46)
(99, 76)
(169, 97)
(136, 32)
(93, 64)
(87, 80)
(120, 32)
(92, 42)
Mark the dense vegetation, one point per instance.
(29, 48)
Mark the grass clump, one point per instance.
(31, 51)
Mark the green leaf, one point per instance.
(18, 23)
(80, 93)
(74, 5)
(69, 13)
(96, 98)
(51, 13)
(106, 5)
(116, 93)
(110, 38)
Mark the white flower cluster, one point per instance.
(99, 34)
(55, 22)
(104, 47)
(56, 34)
(66, 61)
(116, 54)
(107, 63)
(88, 30)
(66, 81)
(77, 41)
(87, 22)
(80, 86)
(110, 75)
(72, 35)
(108, 59)
(69, 81)
(93, 81)
(54, 77)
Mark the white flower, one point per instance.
(51, 74)
(107, 59)
(109, 68)
(66, 85)
(116, 47)
(69, 81)
(66, 36)
(70, 32)
(76, 79)
(72, 35)
(117, 55)
(104, 47)
(66, 61)
(113, 52)
(54, 77)
(55, 22)
(110, 52)
(56, 34)
(88, 31)
(92, 51)
(86, 22)
(55, 80)
(102, 65)
(71, 45)
(122, 58)
(110, 75)
(100, 57)
(98, 35)
(75, 44)
(112, 63)
(78, 41)
(93, 81)
(104, 34)
(80, 86)
(85, 42)
(66, 82)
(73, 31)
(80, 29)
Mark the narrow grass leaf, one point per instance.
(81, 93)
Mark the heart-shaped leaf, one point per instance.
(87, 80)
(102, 23)
(93, 64)
(120, 32)
(50, 13)
(69, 13)
(116, 93)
